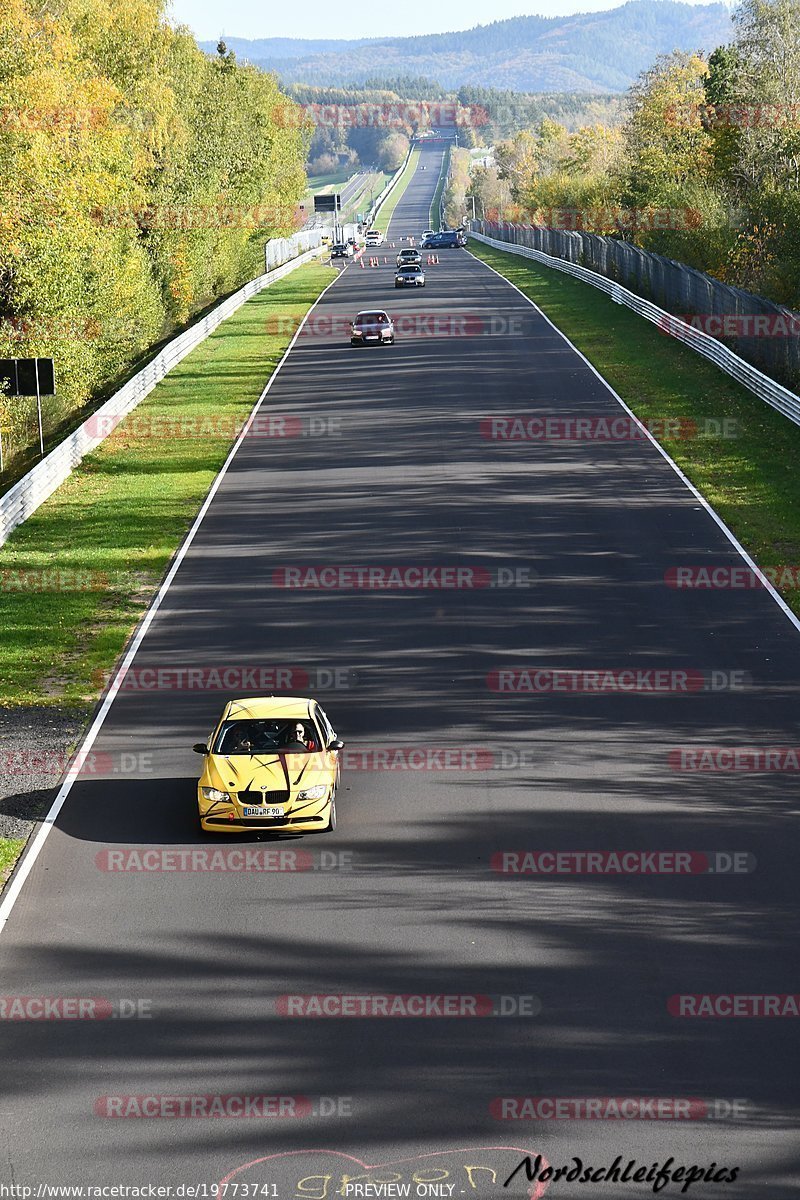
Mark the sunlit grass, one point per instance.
(77, 575)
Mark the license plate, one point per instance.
(265, 810)
(373, 337)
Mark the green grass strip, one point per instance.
(326, 183)
(78, 574)
(10, 850)
(387, 208)
(747, 476)
(433, 215)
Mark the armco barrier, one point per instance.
(372, 214)
(761, 385)
(42, 480)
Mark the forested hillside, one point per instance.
(591, 52)
(704, 169)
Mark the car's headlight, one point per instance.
(214, 794)
(313, 793)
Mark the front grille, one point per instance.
(278, 797)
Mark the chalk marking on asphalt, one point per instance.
(14, 887)
(776, 596)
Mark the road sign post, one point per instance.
(29, 377)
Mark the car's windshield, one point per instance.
(372, 318)
(247, 736)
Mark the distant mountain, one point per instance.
(586, 52)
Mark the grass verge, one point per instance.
(326, 183)
(10, 850)
(372, 186)
(78, 574)
(390, 203)
(744, 471)
(433, 214)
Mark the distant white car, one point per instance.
(374, 237)
(427, 233)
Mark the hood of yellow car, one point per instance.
(268, 772)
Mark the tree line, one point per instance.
(140, 179)
(704, 168)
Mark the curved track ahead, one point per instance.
(411, 904)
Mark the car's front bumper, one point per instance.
(310, 818)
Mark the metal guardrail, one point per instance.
(772, 393)
(41, 481)
(445, 187)
(372, 214)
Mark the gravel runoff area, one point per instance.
(35, 746)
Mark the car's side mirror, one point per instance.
(336, 744)
(200, 748)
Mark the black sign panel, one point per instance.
(330, 202)
(47, 376)
(8, 376)
(20, 376)
(26, 376)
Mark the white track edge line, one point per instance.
(776, 596)
(11, 893)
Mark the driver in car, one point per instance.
(298, 740)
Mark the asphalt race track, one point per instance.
(562, 549)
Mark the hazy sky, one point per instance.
(321, 18)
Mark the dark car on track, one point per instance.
(447, 239)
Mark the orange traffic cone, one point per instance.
(385, 260)
(361, 263)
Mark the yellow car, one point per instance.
(271, 763)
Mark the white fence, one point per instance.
(372, 214)
(42, 480)
(761, 385)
